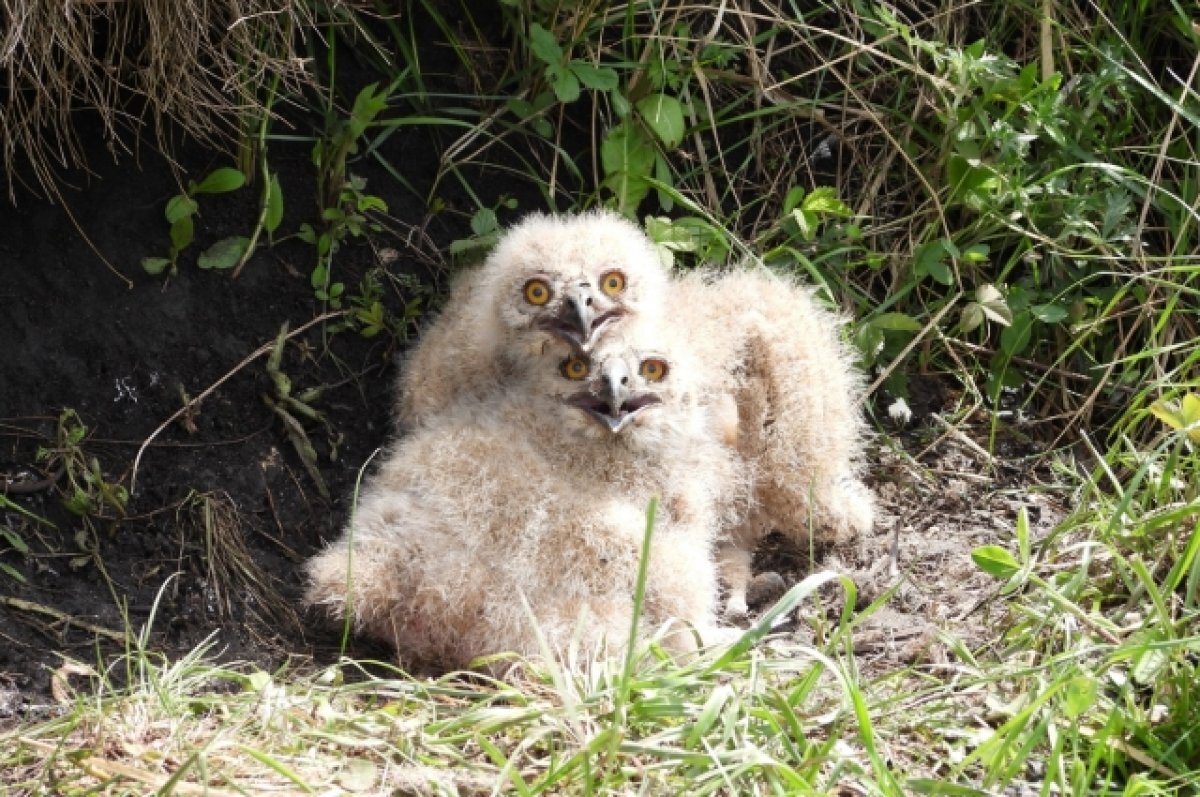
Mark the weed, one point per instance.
(180, 210)
(294, 410)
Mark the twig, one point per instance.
(958, 435)
(189, 406)
(38, 608)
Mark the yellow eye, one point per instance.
(537, 292)
(575, 368)
(653, 369)
(612, 283)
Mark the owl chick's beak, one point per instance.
(578, 321)
(614, 405)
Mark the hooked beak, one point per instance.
(577, 322)
(614, 406)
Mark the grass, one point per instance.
(1005, 196)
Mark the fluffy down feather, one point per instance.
(595, 269)
(528, 498)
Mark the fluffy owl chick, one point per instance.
(552, 283)
(533, 503)
(799, 427)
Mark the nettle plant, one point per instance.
(345, 205)
(1036, 220)
(647, 117)
(180, 213)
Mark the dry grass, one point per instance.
(200, 66)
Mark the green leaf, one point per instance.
(224, 254)
(898, 322)
(484, 221)
(544, 45)
(274, 205)
(1015, 338)
(13, 573)
(1184, 415)
(596, 78)
(16, 541)
(824, 201)
(628, 158)
(995, 561)
(971, 317)
(182, 232)
(221, 181)
(976, 253)
(663, 114)
(791, 200)
(367, 105)
(930, 260)
(178, 207)
(1049, 313)
(155, 265)
(564, 83)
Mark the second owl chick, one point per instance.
(796, 394)
(530, 508)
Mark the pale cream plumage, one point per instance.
(492, 329)
(530, 498)
(782, 388)
(800, 431)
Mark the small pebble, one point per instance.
(764, 588)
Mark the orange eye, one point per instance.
(537, 292)
(612, 283)
(653, 370)
(575, 368)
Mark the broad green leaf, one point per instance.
(792, 199)
(274, 205)
(930, 260)
(1079, 695)
(220, 181)
(971, 317)
(995, 561)
(544, 46)
(564, 83)
(596, 78)
(155, 265)
(178, 207)
(1015, 338)
(664, 115)
(224, 254)
(367, 105)
(1148, 664)
(1049, 313)
(628, 158)
(976, 253)
(897, 322)
(824, 200)
(484, 221)
(182, 231)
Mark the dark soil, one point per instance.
(122, 349)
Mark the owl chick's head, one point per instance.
(572, 278)
(637, 383)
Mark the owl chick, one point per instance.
(551, 284)
(529, 507)
(797, 425)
